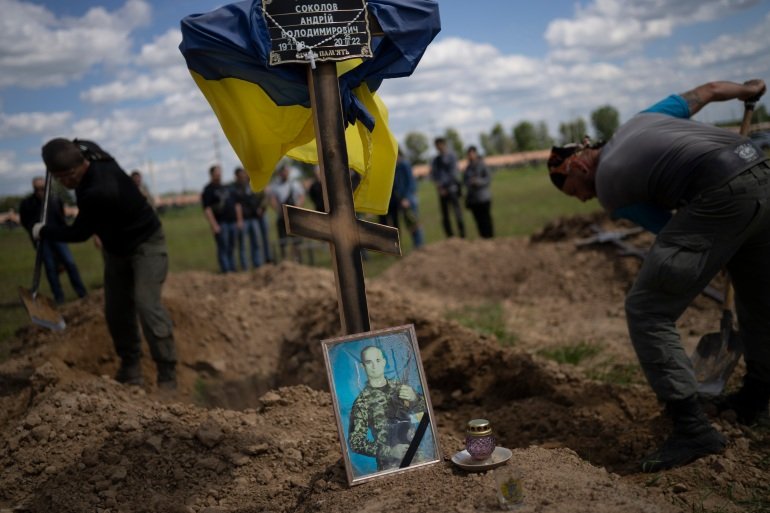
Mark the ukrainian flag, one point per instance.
(265, 111)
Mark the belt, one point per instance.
(721, 167)
(760, 174)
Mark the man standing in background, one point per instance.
(53, 252)
(446, 176)
(286, 190)
(136, 176)
(219, 208)
(248, 205)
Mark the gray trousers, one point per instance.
(132, 286)
(728, 226)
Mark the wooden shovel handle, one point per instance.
(748, 111)
(727, 304)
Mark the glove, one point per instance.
(36, 230)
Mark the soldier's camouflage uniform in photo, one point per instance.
(388, 417)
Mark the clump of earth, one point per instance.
(251, 426)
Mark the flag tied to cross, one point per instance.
(265, 110)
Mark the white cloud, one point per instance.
(7, 162)
(191, 129)
(118, 129)
(755, 44)
(483, 85)
(618, 27)
(28, 123)
(37, 49)
(163, 51)
(140, 87)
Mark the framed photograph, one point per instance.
(384, 415)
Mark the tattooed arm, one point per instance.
(720, 91)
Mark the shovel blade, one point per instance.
(714, 360)
(42, 311)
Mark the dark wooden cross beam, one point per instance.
(346, 234)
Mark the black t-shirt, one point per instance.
(31, 209)
(111, 206)
(221, 199)
(250, 201)
(316, 195)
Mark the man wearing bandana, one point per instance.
(718, 184)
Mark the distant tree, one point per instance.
(416, 144)
(572, 131)
(486, 144)
(544, 140)
(500, 141)
(11, 202)
(605, 121)
(760, 114)
(525, 136)
(454, 141)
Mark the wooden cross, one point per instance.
(338, 225)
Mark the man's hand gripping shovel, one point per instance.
(717, 354)
(42, 311)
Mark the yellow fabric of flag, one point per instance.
(261, 133)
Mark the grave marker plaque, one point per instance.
(303, 31)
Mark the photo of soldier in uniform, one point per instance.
(383, 411)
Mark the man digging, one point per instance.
(719, 184)
(134, 249)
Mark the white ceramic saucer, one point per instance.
(464, 460)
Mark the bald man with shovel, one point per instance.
(718, 184)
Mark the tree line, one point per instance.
(524, 136)
(529, 136)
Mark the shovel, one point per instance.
(717, 354)
(42, 311)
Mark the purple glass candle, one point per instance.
(479, 439)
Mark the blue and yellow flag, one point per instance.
(265, 110)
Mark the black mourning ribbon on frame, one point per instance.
(415, 441)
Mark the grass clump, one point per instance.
(619, 374)
(572, 354)
(486, 319)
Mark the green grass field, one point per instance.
(523, 201)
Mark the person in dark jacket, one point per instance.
(134, 247)
(446, 177)
(478, 179)
(53, 253)
(403, 199)
(249, 207)
(218, 203)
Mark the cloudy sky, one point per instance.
(111, 71)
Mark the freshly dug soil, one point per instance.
(251, 427)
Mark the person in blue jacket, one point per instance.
(718, 184)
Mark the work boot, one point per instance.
(692, 437)
(130, 373)
(167, 376)
(750, 403)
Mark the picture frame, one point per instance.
(381, 403)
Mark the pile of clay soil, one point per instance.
(251, 427)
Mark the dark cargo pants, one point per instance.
(727, 226)
(132, 287)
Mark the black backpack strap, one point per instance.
(92, 151)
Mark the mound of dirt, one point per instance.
(251, 427)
